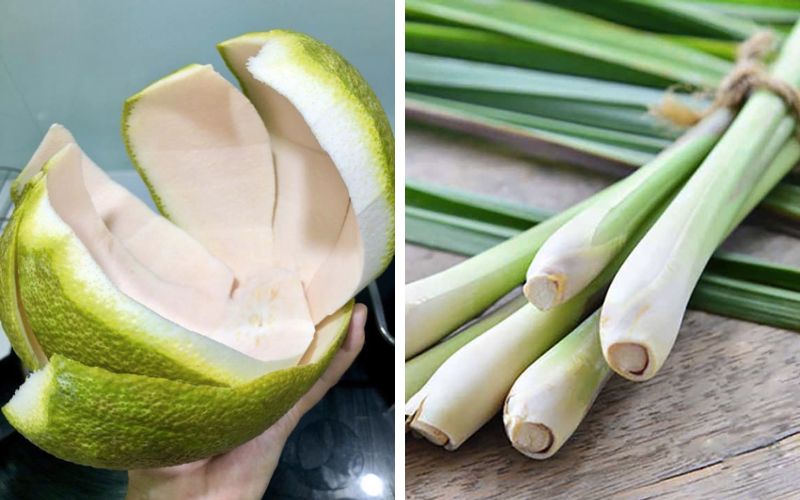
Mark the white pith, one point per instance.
(27, 407)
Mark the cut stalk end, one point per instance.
(545, 291)
(530, 438)
(628, 360)
(430, 433)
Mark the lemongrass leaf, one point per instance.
(460, 74)
(755, 10)
(450, 114)
(582, 34)
(549, 145)
(720, 48)
(666, 17)
(478, 45)
(598, 135)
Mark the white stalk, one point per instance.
(645, 304)
(548, 401)
(580, 249)
(420, 368)
(469, 388)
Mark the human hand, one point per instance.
(245, 472)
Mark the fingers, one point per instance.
(264, 451)
(339, 364)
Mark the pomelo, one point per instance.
(196, 328)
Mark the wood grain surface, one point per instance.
(721, 419)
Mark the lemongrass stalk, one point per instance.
(421, 367)
(637, 348)
(580, 249)
(440, 303)
(550, 399)
(645, 304)
(552, 396)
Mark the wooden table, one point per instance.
(721, 419)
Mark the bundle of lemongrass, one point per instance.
(637, 250)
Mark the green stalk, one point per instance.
(580, 249)
(440, 303)
(421, 367)
(646, 301)
(549, 400)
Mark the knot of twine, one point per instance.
(748, 74)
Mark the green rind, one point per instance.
(73, 317)
(331, 70)
(9, 307)
(121, 421)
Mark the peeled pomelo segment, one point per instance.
(153, 422)
(310, 209)
(76, 310)
(11, 315)
(56, 138)
(342, 270)
(170, 252)
(205, 156)
(68, 196)
(308, 94)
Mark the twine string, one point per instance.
(748, 75)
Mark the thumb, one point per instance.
(339, 364)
